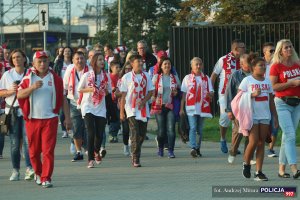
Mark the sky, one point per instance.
(55, 9)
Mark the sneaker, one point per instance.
(37, 179)
(126, 150)
(65, 134)
(198, 152)
(246, 170)
(136, 163)
(111, 139)
(15, 176)
(224, 148)
(231, 159)
(271, 153)
(47, 184)
(171, 154)
(91, 164)
(194, 153)
(98, 158)
(252, 162)
(102, 153)
(115, 140)
(78, 156)
(72, 148)
(160, 152)
(260, 176)
(297, 175)
(29, 174)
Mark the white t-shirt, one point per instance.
(63, 70)
(187, 85)
(6, 83)
(218, 69)
(66, 80)
(87, 105)
(260, 104)
(42, 98)
(127, 86)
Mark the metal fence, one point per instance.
(210, 42)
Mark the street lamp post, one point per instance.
(119, 22)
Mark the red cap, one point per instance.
(40, 54)
(161, 54)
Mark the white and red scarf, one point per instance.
(197, 94)
(228, 66)
(72, 82)
(99, 91)
(139, 93)
(157, 104)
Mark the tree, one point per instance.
(240, 11)
(143, 19)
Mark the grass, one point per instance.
(211, 131)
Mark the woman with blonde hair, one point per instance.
(285, 78)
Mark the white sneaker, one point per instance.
(91, 164)
(15, 176)
(252, 162)
(29, 174)
(126, 150)
(37, 179)
(47, 184)
(72, 148)
(231, 159)
(65, 134)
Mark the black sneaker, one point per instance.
(260, 176)
(78, 156)
(246, 170)
(102, 153)
(198, 153)
(194, 153)
(297, 175)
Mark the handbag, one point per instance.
(291, 101)
(5, 120)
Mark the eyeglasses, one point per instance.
(272, 50)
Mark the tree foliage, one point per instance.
(239, 11)
(144, 19)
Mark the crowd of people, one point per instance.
(90, 88)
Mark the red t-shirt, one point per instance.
(284, 75)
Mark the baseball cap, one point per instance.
(40, 54)
(161, 54)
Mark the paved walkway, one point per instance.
(159, 178)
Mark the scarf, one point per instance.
(99, 92)
(72, 82)
(157, 104)
(198, 95)
(228, 66)
(139, 93)
(57, 100)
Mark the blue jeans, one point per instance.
(1, 143)
(166, 128)
(196, 125)
(62, 119)
(288, 117)
(17, 134)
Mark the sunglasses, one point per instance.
(272, 50)
(288, 47)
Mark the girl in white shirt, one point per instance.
(95, 85)
(262, 103)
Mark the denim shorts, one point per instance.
(261, 121)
